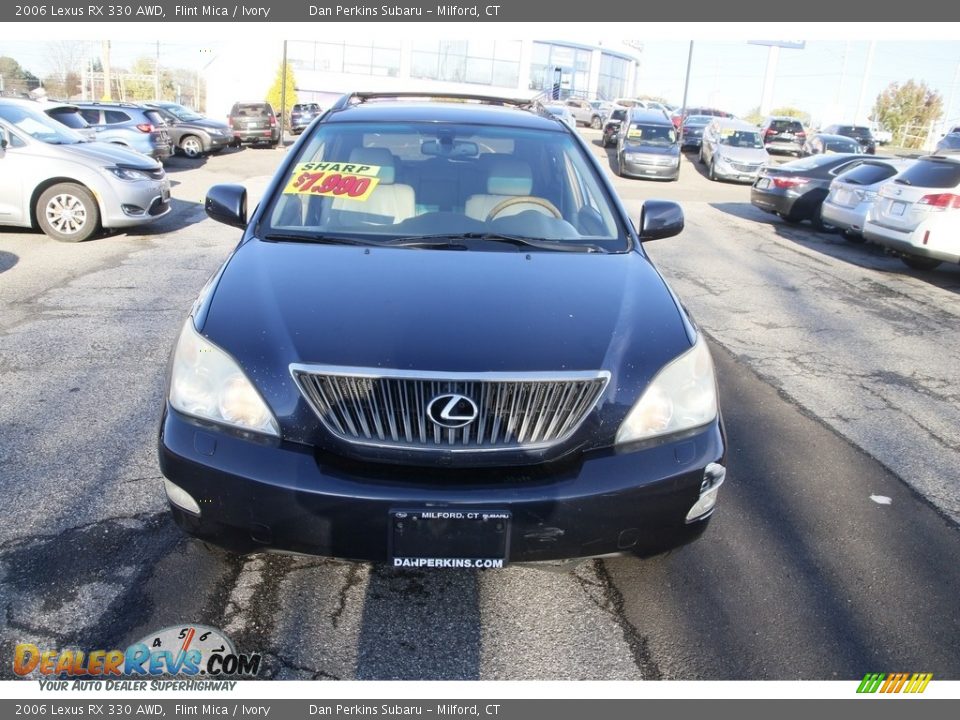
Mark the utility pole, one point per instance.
(840, 108)
(866, 79)
(948, 108)
(106, 69)
(283, 93)
(156, 75)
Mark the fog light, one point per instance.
(713, 477)
(132, 209)
(181, 498)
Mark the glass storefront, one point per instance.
(574, 64)
(374, 57)
(482, 62)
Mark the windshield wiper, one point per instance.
(318, 238)
(517, 240)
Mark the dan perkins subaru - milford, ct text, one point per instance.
(398, 11)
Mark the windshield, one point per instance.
(740, 138)
(698, 120)
(651, 134)
(182, 113)
(841, 146)
(388, 181)
(39, 126)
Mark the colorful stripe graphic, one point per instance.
(894, 682)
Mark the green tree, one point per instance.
(755, 117)
(908, 110)
(274, 94)
(16, 78)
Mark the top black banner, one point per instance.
(486, 11)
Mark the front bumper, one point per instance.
(127, 204)
(266, 494)
(728, 172)
(641, 169)
(216, 142)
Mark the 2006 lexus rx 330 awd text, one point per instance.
(440, 343)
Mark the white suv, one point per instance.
(917, 214)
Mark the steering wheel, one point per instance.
(524, 200)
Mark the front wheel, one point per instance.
(191, 146)
(595, 122)
(712, 172)
(68, 212)
(919, 263)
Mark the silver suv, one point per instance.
(69, 186)
(732, 150)
(135, 126)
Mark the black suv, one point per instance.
(783, 134)
(254, 124)
(440, 343)
(860, 133)
(302, 115)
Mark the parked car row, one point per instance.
(909, 206)
(69, 186)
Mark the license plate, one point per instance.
(763, 183)
(897, 207)
(843, 197)
(449, 538)
(787, 136)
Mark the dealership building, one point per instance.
(324, 69)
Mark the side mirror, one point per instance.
(660, 219)
(227, 204)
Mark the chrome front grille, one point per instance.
(745, 167)
(388, 408)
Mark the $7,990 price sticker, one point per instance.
(353, 181)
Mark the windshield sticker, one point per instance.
(727, 132)
(354, 181)
(635, 133)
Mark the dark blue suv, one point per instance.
(440, 343)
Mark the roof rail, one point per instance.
(356, 98)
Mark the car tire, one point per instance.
(273, 145)
(191, 146)
(919, 263)
(712, 171)
(595, 122)
(818, 222)
(791, 218)
(68, 212)
(700, 156)
(853, 237)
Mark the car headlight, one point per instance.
(207, 383)
(682, 396)
(125, 173)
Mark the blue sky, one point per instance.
(726, 74)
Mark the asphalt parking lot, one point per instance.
(833, 552)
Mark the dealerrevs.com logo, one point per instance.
(190, 651)
(888, 683)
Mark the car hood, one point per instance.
(204, 124)
(442, 310)
(743, 155)
(110, 154)
(639, 147)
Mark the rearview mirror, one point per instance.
(454, 149)
(227, 204)
(660, 219)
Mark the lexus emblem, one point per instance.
(452, 411)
